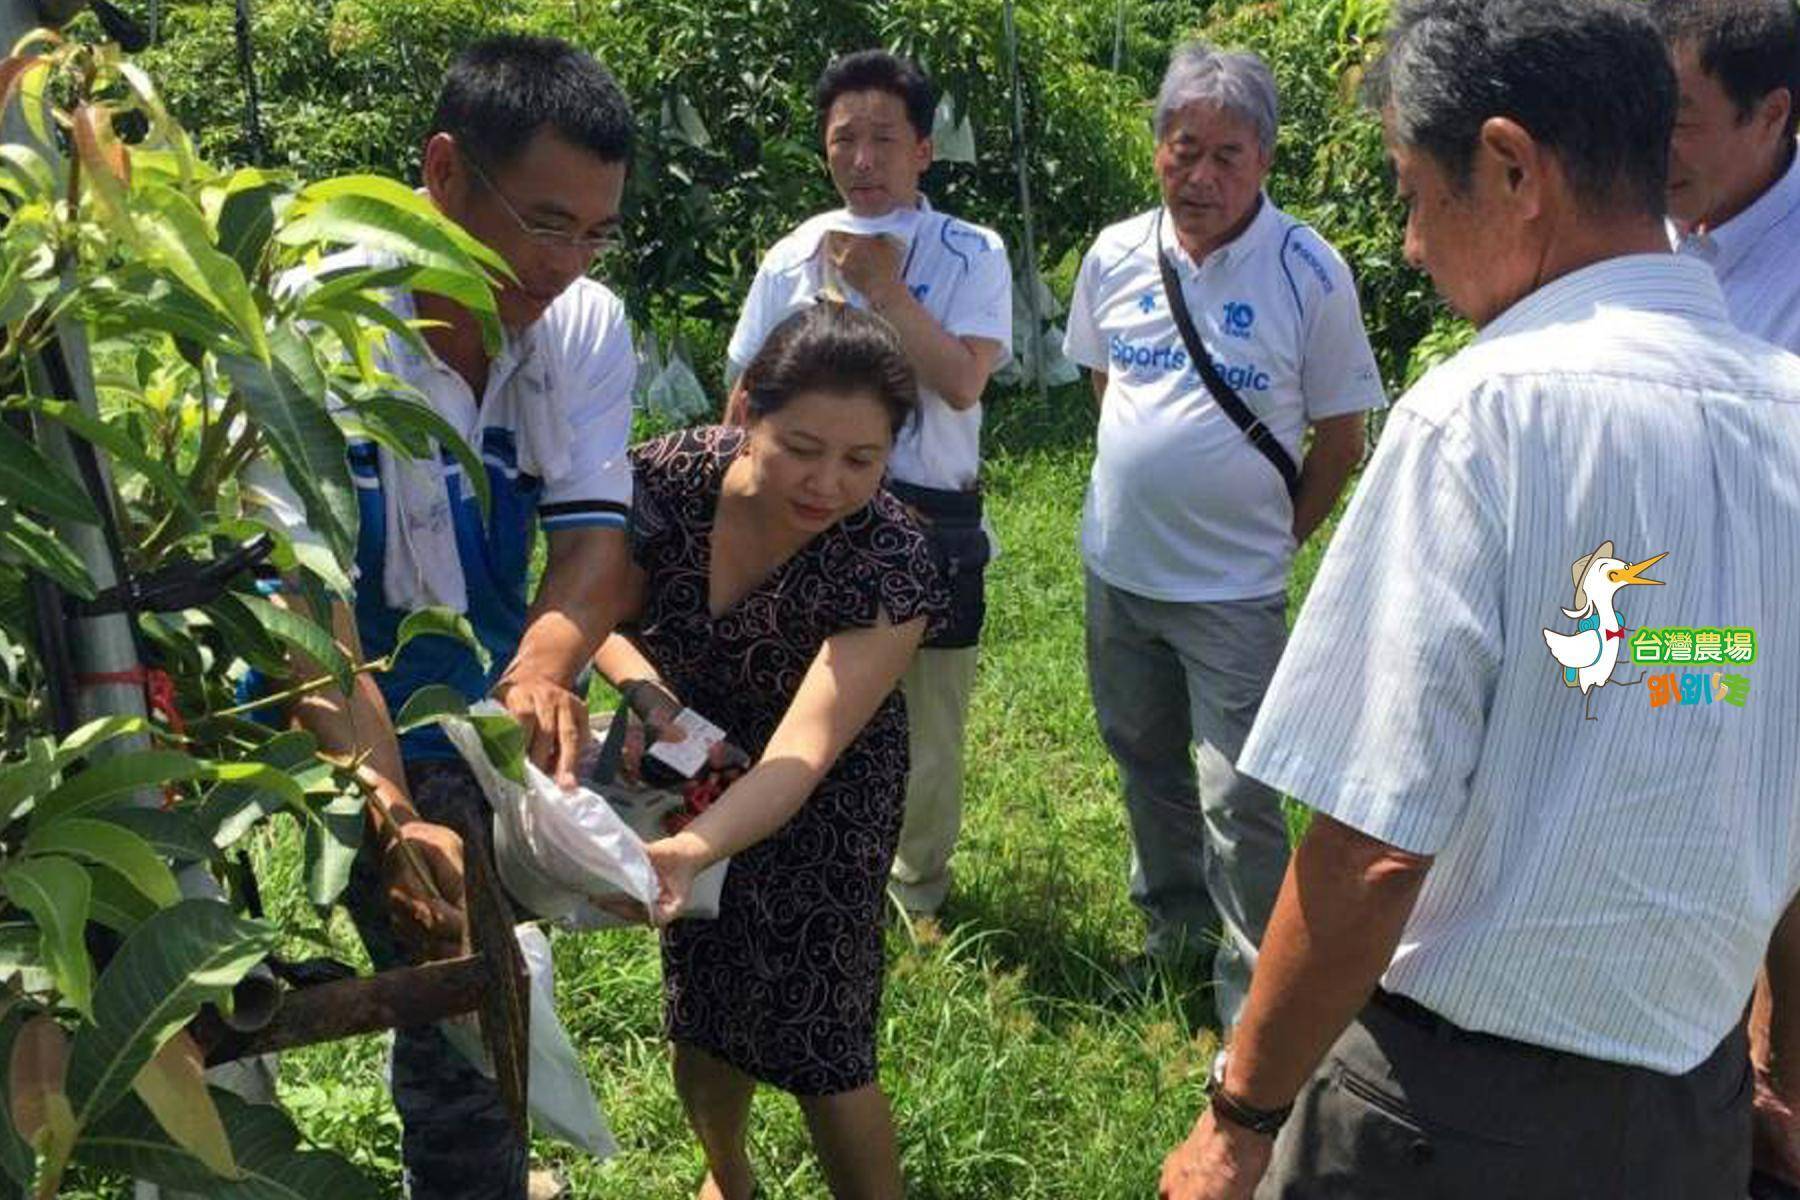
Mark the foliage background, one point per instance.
(1018, 1069)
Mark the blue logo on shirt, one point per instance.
(1147, 302)
(1239, 317)
(919, 290)
(1159, 360)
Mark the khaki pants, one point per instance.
(937, 688)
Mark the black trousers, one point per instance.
(1409, 1107)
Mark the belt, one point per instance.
(940, 505)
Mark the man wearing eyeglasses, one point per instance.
(528, 153)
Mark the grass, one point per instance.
(1014, 1069)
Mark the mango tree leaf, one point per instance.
(429, 704)
(26, 778)
(16, 1159)
(300, 634)
(179, 959)
(109, 782)
(122, 447)
(410, 417)
(177, 240)
(116, 904)
(28, 544)
(440, 622)
(55, 892)
(128, 1142)
(172, 833)
(331, 845)
(305, 438)
(29, 167)
(234, 807)
(414, 216)
(95, 733)
(503, 739)
(172, 1086)
(108, 845)
(32, 481)
(242, 634)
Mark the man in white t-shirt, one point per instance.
(1190, 525)
(1734, 175)
(946, 287)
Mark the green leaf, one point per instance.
(172, 833)
(32, 481)
(247, 218)
(233, 808)
(172, 1086)
(129, 1142)
(24, 779)
(302, 635)
(503, 739)
(116, 904)
(29, 167)
(331, 846)
(28, 544)
(112, 781)
(441, 622)
(123, 448)
(96, 733)
(286, 402)
(179, 959)
(428, 705)
(108, 845)
(409, 417)
(359, 193)
(177, 240)
(55, 892)
(242, 635)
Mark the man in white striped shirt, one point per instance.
(1513, 953)
(1734, 176)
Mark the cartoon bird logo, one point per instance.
(1589, 655)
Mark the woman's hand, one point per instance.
(677, 861)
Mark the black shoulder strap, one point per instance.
(1222, 393)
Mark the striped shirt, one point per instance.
(1756, 255)
(1603, 887)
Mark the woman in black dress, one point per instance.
(781, 593)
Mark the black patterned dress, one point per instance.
(786, 983)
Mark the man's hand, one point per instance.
(1218, 1161)
(422, 871)
(1776, 1132)
(555, 721)
(871, 265)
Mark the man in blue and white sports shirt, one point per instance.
(945, 286)
(1190, 526)
(528, 152)
(1513, 953)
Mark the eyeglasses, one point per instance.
(547, 236)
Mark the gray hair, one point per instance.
(1236, 80)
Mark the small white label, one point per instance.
(689, 754)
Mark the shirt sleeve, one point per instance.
(753, 324)
(1082, 343)
(983, 307)
(1378, 710)
(599, 367)
(1338, 374)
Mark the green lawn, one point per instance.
(1013, 1069)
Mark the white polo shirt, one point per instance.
(1180, 505)
(958, 272)
(1756, 256)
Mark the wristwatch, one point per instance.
(1266, 1121)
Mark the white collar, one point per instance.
(1224, 255)
(1664, 283)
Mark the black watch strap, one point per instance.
(1266, 1121)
